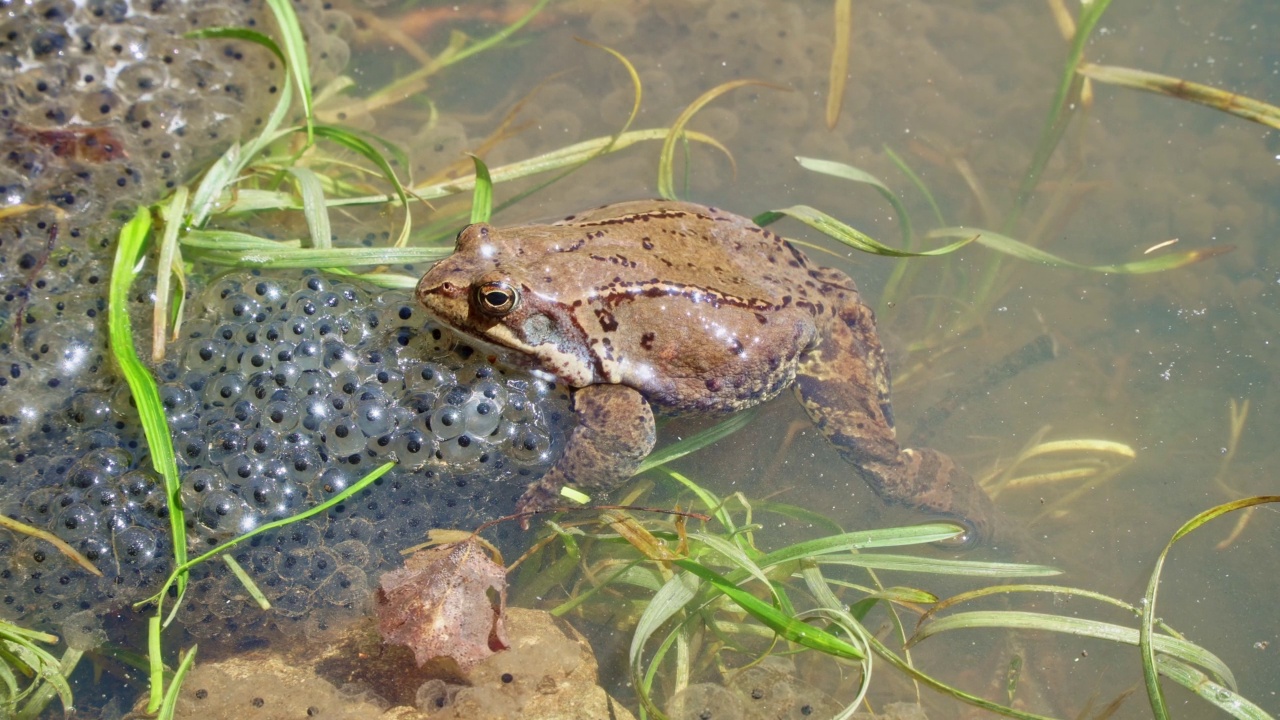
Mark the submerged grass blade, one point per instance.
(855, 239)
(167, 267)
(71, 553)
(848, 172)
(141, 385)
(313, 207)
(786, 626)
(839, 73)
(1224, 698)
(1008, 246)
(697, 441)
(287, 257)
(940, 566)
(666, 159)
(1079, 627)
(1228, 102)
(169, 704)
(355, 143)
(295, 51)
(1147, 639)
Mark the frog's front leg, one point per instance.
(615, 433)
(843, 384)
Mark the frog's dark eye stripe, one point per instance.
(496, 299)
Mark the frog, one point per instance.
(686, 309)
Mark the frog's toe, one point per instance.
(538, 497)
(938, 485)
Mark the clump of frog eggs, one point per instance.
(281, 393)
(105, 105)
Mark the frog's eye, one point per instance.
(496, 298)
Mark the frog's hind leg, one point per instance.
(843, 384)
(615, 433)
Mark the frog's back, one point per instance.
(693, 245)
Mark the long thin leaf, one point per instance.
(62, 547)
(1079, 627)
(169, 705)
(295, 51)
(941, 566)
(142, 386)
(286, 257)
(1224, 698)
(313, 207)
(1148, 641)
(169, 265)
(833, 228)
(839, 73)
(1022, 251)
(482, 195)
(1228, 102)
(666, 159)
(848, 172)
(698, 440)
(785, 625)
(355, 143)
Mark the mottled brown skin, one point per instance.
(693, 310)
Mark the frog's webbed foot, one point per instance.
(615, 433)
(844, 386)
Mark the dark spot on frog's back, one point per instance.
(714, 384)
(646, 243)
(607, 321)
(646, 341)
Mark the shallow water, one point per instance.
(1150, 361)
(960, 90)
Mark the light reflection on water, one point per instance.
(960, 90)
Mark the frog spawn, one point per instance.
(105, 106)
(282, 391)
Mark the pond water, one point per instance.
(992, 357)
(960, 91)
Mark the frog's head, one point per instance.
(483, 292)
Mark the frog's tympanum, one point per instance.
(686, 309)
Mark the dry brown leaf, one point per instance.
(446, 602)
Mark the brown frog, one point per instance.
(686, 309)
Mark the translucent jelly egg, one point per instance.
(373, 418)
(343, 435)
(225, 514)
(481, 416)
(413, 448)
(76, 521)
(448, 422)
(428, 376)
(463, 450)
(348, 586)
(136, 546)
(529, 446)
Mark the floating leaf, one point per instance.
(440, 604)
(1023, 251)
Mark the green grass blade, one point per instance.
(1224, 698)
(313, 207)
(181, 570)
(357, 144)
(1055, 124)
(1022, 251)
(940, 566)
(234, 33)
(53, 675)
(249, 585)
(169, 705)
(887, 537)
(697, 441)
(1148, 641)
(848, 172)
(167, 267)
(295, 51)
(666, 158)
(142, 386)
(678, 592)
(785, 625)
(286, 257)
(1079, 627)
(708, 499)
(155, 654)
(916, 180)
(855, 239)
(1228, 102)
(882, 651)
(482, 194)
(232, 240)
